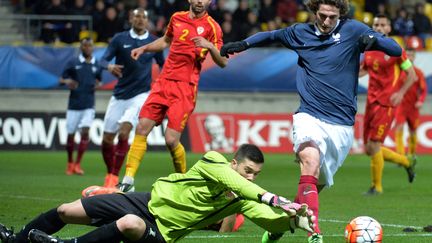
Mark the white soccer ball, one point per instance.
(363, 229)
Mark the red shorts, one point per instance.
(409, 114)
(175, 99)
(377, 122)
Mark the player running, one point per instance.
(327, 79)
(177, 205)
(389, 80)
(409, 110)
(132, 89)
(81, 75)
(191, 35)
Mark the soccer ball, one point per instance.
(363, 229)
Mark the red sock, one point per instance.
(70, 147)
(82, 147)
(308, 193)
(108, 155)
(120, 153)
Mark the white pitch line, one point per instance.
(299, 236)
(30, 197)
(387, 225)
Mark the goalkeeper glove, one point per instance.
(366, 42)
(271, 237)
(233, 47)
(280, 202)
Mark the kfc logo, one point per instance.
(217, 133)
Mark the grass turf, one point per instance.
(33, 182)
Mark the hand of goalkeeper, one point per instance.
(233, 47)
(300, 215)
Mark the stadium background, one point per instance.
(254, 96)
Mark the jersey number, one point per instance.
(185, 33)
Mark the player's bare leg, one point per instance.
(178, 153)
(136, 153)
(309, 159)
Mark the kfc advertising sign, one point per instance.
(224, 132)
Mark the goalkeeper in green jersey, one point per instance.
(178, 204)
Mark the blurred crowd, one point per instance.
(238, 18)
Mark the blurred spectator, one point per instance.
(250, 27)
(229, 34)
(422, 24)
(403, 25)
(109, 25)
(372, 6)
(217, 11)
(286, 10)
(122, 15)
(79, 8)
(382, 9)
(231, 5)
(98, 13)
(267, 11)
(53, 30)
(241, 14)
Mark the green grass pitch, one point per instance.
(33, 182)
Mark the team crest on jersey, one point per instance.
(336, 37)
(386, 57)
(200, 30)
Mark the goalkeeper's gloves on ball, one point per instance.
(233, 47)
(366, 42)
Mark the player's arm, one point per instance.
(423, 89)
(65, 78)
(372, 40)
(70, 83)
(411, 77)
(108, 55)
(363, 70)
(258, 39)
(199, 41)
(227, 224)
(156, 46)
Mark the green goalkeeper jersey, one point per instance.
(208, 192)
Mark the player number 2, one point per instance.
(185, 33)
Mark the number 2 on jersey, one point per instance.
(185, 33)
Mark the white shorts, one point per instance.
(120, 111)
(78, 119)
(334, 142)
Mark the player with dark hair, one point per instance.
(134, 78)
(81, 75)
(327, 78)
(389, 80)
(190, 35)
(409, 110)
(177, 205)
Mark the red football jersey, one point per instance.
(417, 91)
(184, 59)
(385, 75)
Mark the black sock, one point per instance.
(48, 222)
(108, 233)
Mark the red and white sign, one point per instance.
(224, 132)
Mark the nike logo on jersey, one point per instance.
(78, 67)
(152, 232)
(127, 46)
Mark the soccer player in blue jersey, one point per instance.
(177, 205)
(327, 78)
(81, 74)
(134, 78)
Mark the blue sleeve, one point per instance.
(99, 73)
(262, 38)
(385, 44)
(110, 53)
